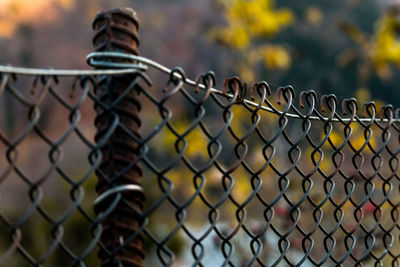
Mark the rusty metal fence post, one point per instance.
(119, 174)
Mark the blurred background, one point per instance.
(347, 47)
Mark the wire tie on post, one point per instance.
(117, 189)
(107, 60)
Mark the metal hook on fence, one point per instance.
(349, 104)
(306, 95)
(282, 92)
(311, 100)
(176, 76)
(263, 94)
(208, 80)
(239, 89)
(368, 109)
(386, 112)
(257, 87)
(329, 101)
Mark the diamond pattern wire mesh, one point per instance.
(228, 182)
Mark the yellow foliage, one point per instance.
(379, 104)
(240, 120)
(362, 95)
(236, 36)
(314, 15)
(242, 188)
(348, 208)
(252, 19)
(326, 163)
(383, 70)
(335, 138)
(386, 46)
(275, 57)
(358, 139)
(246, 73)
(197, 141)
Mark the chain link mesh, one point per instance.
(227, 181)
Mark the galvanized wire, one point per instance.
(325, 181)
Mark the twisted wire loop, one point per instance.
(281, 179)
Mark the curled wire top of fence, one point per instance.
(103, 59)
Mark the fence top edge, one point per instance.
(67, 72)
(140, 63)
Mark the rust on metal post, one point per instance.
(116, 31)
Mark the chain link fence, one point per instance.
(242, 176)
